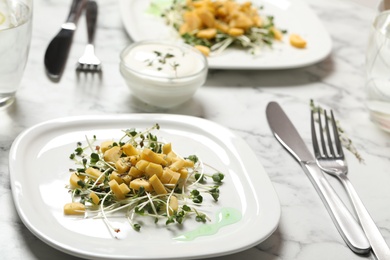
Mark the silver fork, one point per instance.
(88, 61)
(331, 159)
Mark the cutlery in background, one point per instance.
(330, 158)
(58, 49)
(285, 132)
(88, 61)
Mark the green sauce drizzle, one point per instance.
(224, 217)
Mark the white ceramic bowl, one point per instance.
(163, 74)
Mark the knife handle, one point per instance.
(75, 11)
(346, 224)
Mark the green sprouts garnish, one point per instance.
(344, 139)
(183, 199)
(254, 39)
(161, 59)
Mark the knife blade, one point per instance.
(58, 49)
(285, 132)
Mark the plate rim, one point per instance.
(276, 214)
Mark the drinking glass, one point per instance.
(15, 37)
(378, 71)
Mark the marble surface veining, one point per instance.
(235, 99)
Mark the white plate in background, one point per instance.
(293, 15)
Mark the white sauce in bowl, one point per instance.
(163, 60)
(163, 74)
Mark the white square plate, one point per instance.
(39, 170)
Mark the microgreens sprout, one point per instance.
(95, 174)
(160, 60)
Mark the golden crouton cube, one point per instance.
(94, 198)
(141, 165)
(135, 172)
(157, 185)
(236, 32)
(93, 173)
(74, 208)
(208, 33)
(123, 164)
(203, 49)
(297, 41)
(167, 148)
(113, 154)
(206, 16)
(104, 146)
(129, 150)
(153, 168)
(138, 183)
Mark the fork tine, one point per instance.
(336, 136)
(322, 138)
(316, 148)
(329, 138)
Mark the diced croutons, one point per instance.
(206, 16)
(93, 173)
(193, 21)
(297, 41)
(221, 26)
(94, 198)
(208, 33)
(74, 208)
(175, 178)
(177, 165)
(166, 176)
(203, 49)
(113, 154)
(134, 159)
(151, 156)
(124, 188)
(188, 163)
(183, 173)
(277, 33)
(116, 176)
(141, 165)
(236, 32)
(241, 21)
(129, 149)
(173, 204)
(167, 148)
(138, 183)
(257, 21)
(153, 168)
(123, 164)
(135, 172)
(74, 180)
(114, 186)
(104, 146)
(126, 179)
(157, 185)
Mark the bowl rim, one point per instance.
(167, 43)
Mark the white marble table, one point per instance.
(235, 99)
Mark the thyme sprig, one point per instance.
(344, 139)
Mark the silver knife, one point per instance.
(58, 49)
(285, 132)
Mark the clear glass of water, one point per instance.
(15, 38)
